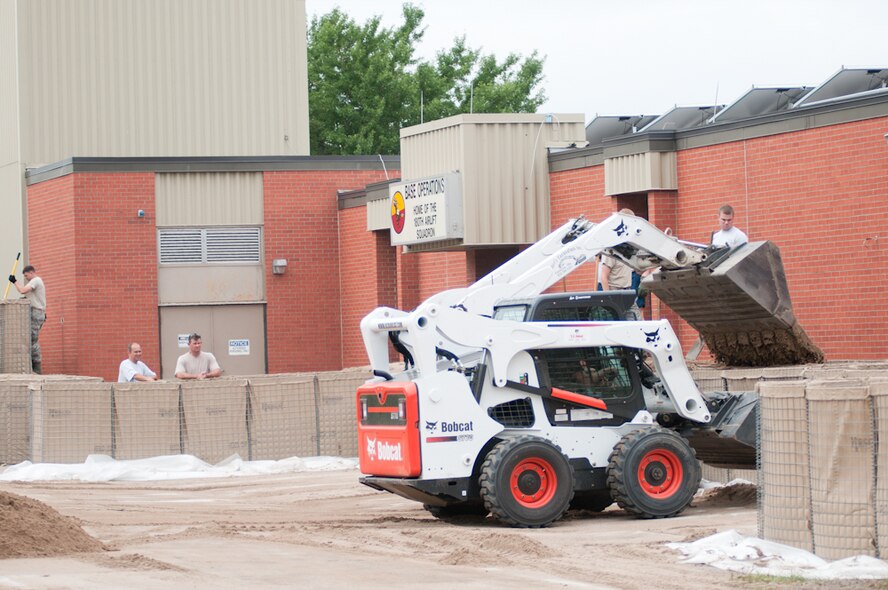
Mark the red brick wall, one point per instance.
(423, 274)
(483, 261)
(369, 279)
(99, 262)
(637, 203)
(51, 229)
(663, 212)
(304, 305)
(821, 195)
(574, 193)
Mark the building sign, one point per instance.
(183, 340)
(426, 210)
(239, 347)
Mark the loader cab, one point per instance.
(608, 373)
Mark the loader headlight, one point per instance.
(402, 409)
(363, 409)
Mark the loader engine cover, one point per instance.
(388, 433)
(739, 302)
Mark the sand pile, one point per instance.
(29, 528)
(738, 494)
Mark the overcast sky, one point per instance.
(633, 57)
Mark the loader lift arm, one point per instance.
(631, 239)
(737, 299)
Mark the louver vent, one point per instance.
(210, 245)
(232, 244)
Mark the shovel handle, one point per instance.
(14, 266)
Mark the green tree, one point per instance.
(365, 82)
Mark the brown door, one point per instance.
(235, 334)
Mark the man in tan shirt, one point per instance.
(35, 292)
(196, 364)
(615, 275)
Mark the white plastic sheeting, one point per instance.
(98, 468)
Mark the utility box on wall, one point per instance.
(500, 163)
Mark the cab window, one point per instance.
(598, 371)
(586, 313)
(515, 313)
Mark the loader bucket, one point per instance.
(729, 440)
(739, 302)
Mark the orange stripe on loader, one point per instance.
(576, 398)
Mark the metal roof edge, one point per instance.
(661, 140)
(854, 108)
(180, 164)
(799, 118)
(490, 118)
(359, 197)
(571, 159)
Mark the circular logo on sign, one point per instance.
(398, 213)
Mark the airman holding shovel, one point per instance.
(35, 292)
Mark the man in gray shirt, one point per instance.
(35, 292)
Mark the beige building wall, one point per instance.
(162, 78)
(131, 78)
(634, 173)
(503, 164)
(204, 200)
(12, 182)
(209, 198)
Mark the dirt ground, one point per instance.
(325, 530)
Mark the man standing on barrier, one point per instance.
(35, 292)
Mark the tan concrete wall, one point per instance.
(161, 78)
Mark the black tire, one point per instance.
(653, 473)
(457, 511)
(591, 501)
(526, 482)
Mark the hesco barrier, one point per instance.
(15, 336)
(823, 464)
(16, 430)
(709, 379)
(62, 419)
(823, 434)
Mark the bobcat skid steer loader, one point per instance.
(523, 405)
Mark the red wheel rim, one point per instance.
(660, 473)
(533, 482)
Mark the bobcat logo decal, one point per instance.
(653, 336)
(431, 426)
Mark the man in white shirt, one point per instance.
(132, 368)
(728, 235)
(196, 364)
